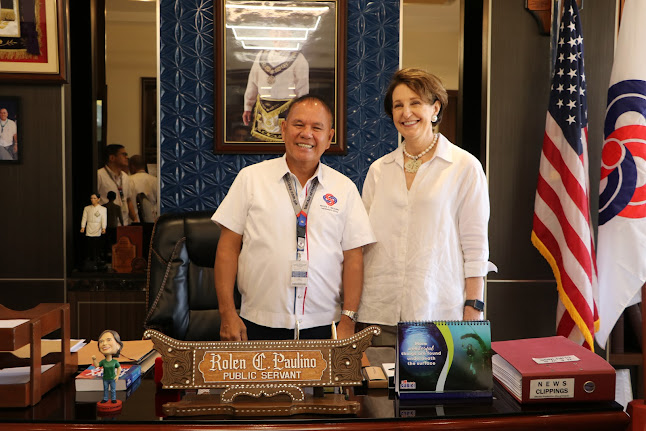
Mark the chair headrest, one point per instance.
(201, 234)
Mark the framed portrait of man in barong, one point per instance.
(11, 146)
(268, 53)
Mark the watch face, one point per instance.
(475, 303)
(351, 314)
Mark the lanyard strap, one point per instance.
(114, 180)
(301, 213)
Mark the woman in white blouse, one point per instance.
(429, 208)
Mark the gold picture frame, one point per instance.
(32, 41)
(266, 54)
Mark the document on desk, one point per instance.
(133, 351)
(18, 375)
(12, 323)
(550, 369)
(48, 346)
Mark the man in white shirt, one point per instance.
(113, 177)
(8, 137)
(292, 232)
(276, 78)
(146, 184)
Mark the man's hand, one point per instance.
(345, 328)
(232, 328)
(246, 117)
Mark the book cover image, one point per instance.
(449, 359)
(91, 379)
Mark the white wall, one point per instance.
(131, 54)
(431, 39)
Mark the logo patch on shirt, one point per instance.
(329, 199)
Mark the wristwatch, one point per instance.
(475, 303)
(351, 314)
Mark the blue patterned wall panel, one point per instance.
(192, 177)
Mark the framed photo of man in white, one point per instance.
(10, 143)
(268, 53)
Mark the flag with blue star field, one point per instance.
(621, 253)
(561, 229)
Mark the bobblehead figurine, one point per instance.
(110, 346)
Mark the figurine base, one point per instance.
(206, 405)
(108, 407)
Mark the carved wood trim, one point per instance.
(541, 10)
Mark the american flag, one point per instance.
(561, 229)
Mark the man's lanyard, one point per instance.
(118, 184)
(301, 213)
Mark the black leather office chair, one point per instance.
(180, 292)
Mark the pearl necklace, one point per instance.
(413, 165)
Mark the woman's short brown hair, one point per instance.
(428, 86)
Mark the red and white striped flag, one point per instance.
(561, 229)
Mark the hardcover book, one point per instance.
(443, 359)
(96, 396)
(91, 379)
(552, 369)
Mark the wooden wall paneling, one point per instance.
(521, 309)
(519, 93)
(449, 125)
(519, 96)
(94, 311)
(32, 191)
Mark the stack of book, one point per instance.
(136, 358)
(89, 383)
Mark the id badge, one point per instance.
(299, 273)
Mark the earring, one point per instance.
(434, 118)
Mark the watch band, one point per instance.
(475, 303)
(351, 314)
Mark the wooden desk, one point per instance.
(57, 411)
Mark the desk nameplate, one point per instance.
(260, 368)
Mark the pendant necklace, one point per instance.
(415, 162)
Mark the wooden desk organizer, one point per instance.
(42, 320)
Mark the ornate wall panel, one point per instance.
(192, 177)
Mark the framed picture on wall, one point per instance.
(149, 119)
(10, 143)
(268, 53)
(31, 41)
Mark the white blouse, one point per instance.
(429, 238)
